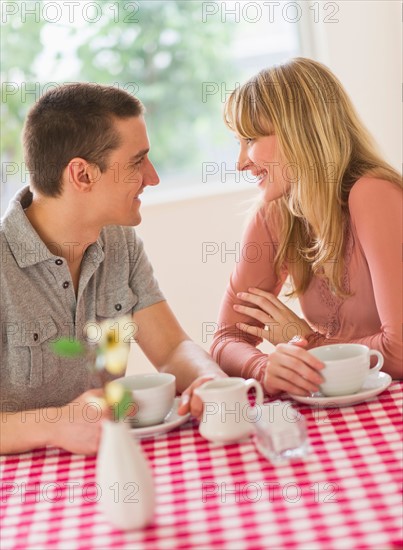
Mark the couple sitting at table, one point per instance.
(330, 207)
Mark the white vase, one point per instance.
(124, 478)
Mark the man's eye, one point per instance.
(139, 162)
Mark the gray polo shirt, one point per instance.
(39, 305)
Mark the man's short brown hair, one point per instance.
(73, 120)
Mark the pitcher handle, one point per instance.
(252, 383)
(379, 364)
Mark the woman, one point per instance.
(330, 217)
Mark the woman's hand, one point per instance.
(191, 402)
(292, 369)
(280, 324)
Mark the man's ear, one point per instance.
(82, 175)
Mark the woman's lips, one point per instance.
(261, 178)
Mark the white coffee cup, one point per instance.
(346, 367)
(153, 394)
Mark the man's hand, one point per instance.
(292, 369)
(192, 403)
(79, 428)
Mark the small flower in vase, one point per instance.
(120, 460)
(106, 349)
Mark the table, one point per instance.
(345, 494)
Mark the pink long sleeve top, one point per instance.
(371, 315)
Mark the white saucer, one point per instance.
(374, 384)
(171, 421)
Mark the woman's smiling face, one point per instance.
(261, 157)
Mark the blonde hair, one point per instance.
(327, 147)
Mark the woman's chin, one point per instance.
(268, 195)
(271, 191)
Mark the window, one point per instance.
(181, 58)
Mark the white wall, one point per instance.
(174, 234)
(363, 49)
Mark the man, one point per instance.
(70, 256)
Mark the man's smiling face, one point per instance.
(129, 171)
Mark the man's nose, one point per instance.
(150, 175)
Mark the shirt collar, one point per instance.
(25, 244)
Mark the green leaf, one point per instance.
(66, 347)
(124, 406)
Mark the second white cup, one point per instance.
(346, 367)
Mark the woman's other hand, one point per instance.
(292, 369)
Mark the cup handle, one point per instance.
(252, 383)
(379, 364)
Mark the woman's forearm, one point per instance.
(236, 356)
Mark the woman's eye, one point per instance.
(249, 140)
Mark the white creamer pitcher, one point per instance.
(227, 415)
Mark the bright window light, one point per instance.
(181, 58)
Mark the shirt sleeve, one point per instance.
(376, 216)
(235, 351)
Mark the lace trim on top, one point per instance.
(328, 297)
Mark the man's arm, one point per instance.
(75, 427)
(23, 431)
(170, 349)
(166, 345)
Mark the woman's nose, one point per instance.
(243, 162)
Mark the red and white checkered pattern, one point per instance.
(345, 494)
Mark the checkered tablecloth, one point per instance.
(345, 494)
